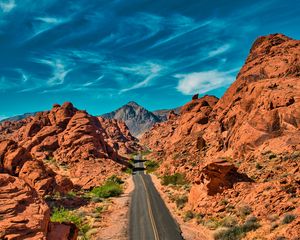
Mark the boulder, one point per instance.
(23, 214)
(62, 231)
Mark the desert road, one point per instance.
(150, 219)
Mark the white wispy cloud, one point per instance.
(50, 20)
(59, 71)
(133, 30)
(24, 77)
(181, 25)
(148, 70)
(88, 84)
(44, 24)
(7, 6)
(202, 82)
(222, 49)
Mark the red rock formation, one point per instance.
(51, 152)
(255, 127)
(62, 231)
(65, 137)
(118, 136)
(23, 214)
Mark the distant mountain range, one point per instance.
(18, 117)
(137, 118)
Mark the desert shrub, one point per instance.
(115, 179)
(99, 209)
(228, 221)
(175, 179)
(224, 202)
(251, 224)
(109, 189)
(244, 210)
(71, 194)
(181, 201)
(188, 215)
(199, 217)
(128, 170)
(229, 208)
(258, 166)
(146, 152)
(233, 233)
(280, 238)
(212, 223)
(51, 160)
(131, 161)
(63, 215)
(288, 218)
(295, 155)
(237, 232)
(274, 225)
(151, 166)
(272, 155)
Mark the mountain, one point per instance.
(137, 118)
(241, 153)
(18, 117)
(163, 114)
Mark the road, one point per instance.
(150, 219)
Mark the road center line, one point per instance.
(156, 236)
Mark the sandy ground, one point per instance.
(114, 224)
(190, 230)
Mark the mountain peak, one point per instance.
(137, 118)
(133, 104)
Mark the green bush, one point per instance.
(188, 216)
(228, 221)
(109, 189)
(151, 166)
(233, 233)
(251, 224)
(212, 224)
(258, 166)
(115, 179)
(71, 194)
(128, 170)
(146, 152)
(288, 218)
(238, 232)
(181, 201)
(175, 179)
(63, 215)
(244, 210)
(224, 202)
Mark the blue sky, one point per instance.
(102, 54)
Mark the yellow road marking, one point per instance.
(156, 236)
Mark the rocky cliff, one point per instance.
(137, 118)
(243, 149)
(55, 152)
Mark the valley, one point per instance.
(221, 169)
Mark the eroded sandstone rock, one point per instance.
(23, 214)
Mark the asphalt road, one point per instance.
(150, 219)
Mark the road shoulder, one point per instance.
(190, 231)
(115, 224)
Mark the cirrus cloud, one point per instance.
(7, 6)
